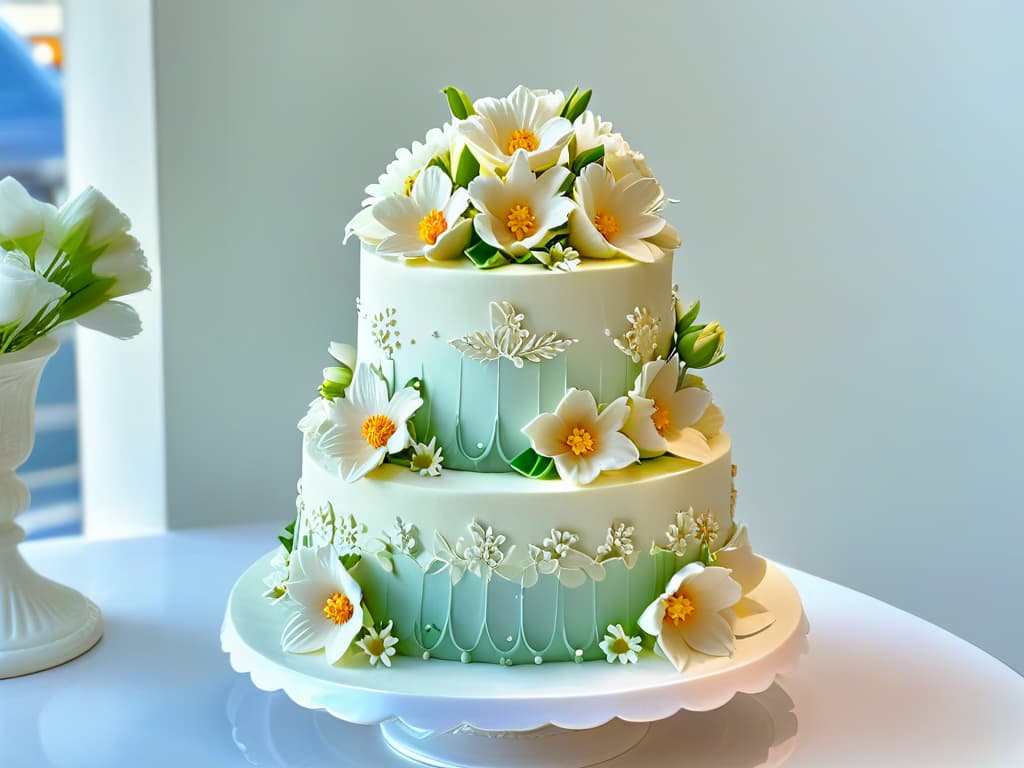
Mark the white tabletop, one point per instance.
(879, 687)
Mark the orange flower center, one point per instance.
(580, 441)
(619, 645)
(606, 224)
(678, 608)
(375, 646)
(338, 608)
(523, 138)
(661, 417)
(520, 221)
(432, 226)
(378, 430)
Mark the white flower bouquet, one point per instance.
(63, 265)
(531, 178)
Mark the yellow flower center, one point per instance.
(520, 221)
(661, 417)
(432, 226)
(375, 646)
(338, 608)
(378, 430)
(409, 181)
(678, 608)
(581, 442)
(523, 138)
(606, 224)
(619, 645)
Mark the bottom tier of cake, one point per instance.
(505, 570)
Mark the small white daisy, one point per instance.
(379, 646)
(617, 646)
(427, 458)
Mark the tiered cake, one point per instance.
(516, 463)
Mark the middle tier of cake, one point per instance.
(502, 569)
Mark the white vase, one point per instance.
(42, 623)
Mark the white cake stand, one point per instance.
(565, 715)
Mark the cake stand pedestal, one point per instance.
(565, 715)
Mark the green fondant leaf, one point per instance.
(592, 155)
(567, 184)
(577, 105)
(467, 168)
(459, 103)
(287, 538)
(568, 101)
(350, 560)
(485, 256)
(531, 464)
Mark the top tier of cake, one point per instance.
(495, 348)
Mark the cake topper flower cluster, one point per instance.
(534, 177)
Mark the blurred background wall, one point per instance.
(850, 184)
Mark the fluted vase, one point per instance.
(42, 623)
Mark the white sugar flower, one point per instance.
(317, 416)
(559, 258)
(379, 646)
(526, 120)
(88, 220)
(615, 217)
(621, 160)
(399, 178)
(403, 537)
(329, 605)
(557, 556)
(343, 353)
(582, 442)
(367, 426)
(426, 223)
(124, 261)
(484, 556)
(747, 568)
(706, 527)
(591, 131)
(427, 458)
(620, 647)
(23, 291)
(681, 531)
(518, 214)
(277, 580)
(618, 543)
(347, 533)
(662, 418)
(694, 613)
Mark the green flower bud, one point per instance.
(701, 346)
(685, 316)
(336, 381)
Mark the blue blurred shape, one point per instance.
(31, 109)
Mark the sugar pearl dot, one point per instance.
(508, 639)
(426, 655)
(465, 657)
(503, 661)
(480, 446)
(538, 660)
(428, 628)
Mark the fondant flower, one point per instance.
(621, 160)
(662, 418)
(559, 258)
(582, 442)
(526, 120)
(379, 646)
(591, 131)
(398, 178)
(366, 425)
(317, 415)
(329, 604)
(88, 220)
(694, 613)
(427, 458)
(277, 580)
(426, 223)
(620, 647)
(518, 214)
(124, 261)
(748, 568)
(615, 217)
